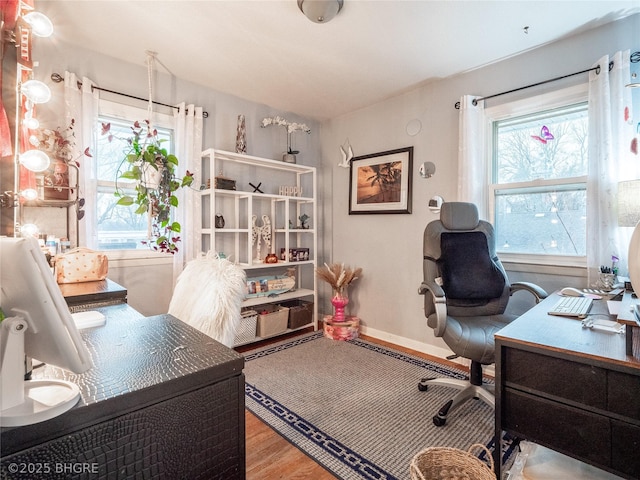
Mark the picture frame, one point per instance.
(380, 183)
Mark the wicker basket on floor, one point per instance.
(445, 463)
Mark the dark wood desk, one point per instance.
(626, 317)
(162, 401)
(569, 388)
(87, 295)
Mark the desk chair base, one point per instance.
(472, 388)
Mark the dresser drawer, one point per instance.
(624, 394)
(569, 430)
(625, 447)
(576, 382)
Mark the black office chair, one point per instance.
(466, 292)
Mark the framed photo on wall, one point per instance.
(381, 182)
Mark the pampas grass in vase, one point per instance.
(339, 277)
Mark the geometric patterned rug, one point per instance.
(354, 407)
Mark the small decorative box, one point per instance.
(295, 254)
(225, 183)
(347, 330)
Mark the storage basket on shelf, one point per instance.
(445, 463)
(300, 313)
(247, 328)
(272, 319)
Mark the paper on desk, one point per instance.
(614, 307)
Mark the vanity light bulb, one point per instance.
(33, 140)
(36, 91)
(31, 123)
(35, 160)
(29, 230)
(40, 24)
(29, 194)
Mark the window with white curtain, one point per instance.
(538, 177)
(119, 227)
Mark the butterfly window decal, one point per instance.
(545, 135)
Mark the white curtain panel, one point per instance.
(188, 146)
(473, 179)
(610, 134)
(81, 105)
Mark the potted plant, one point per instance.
(154, 171)
(59, 145)
(291, 127)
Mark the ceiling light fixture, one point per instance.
(320, 11)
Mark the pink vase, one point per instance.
(339, 301)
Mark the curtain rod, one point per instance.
(56, 77)
(635, 58)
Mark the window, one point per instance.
(118, 227)
(539, 179)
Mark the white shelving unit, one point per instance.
(258, 181)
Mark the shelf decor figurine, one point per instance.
(265, 231)
(304, 221)
(260, 233)
(255, 238)
(241, 135)
(290, 155)
(339, 277)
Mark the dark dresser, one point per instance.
(163, 401)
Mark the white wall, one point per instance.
(389, 247)
(149, 281)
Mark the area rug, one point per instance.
(354, 407)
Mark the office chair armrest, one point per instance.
(532, 288)
(439, 305)
(435, 289)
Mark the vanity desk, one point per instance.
(570, 388)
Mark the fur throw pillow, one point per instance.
(208, 296)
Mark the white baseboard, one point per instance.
(422, 347)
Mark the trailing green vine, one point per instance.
(153, 170)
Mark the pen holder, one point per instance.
(607, 281)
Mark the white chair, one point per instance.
(208, 296)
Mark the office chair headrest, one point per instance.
(459, 216)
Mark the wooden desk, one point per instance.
(625, 316)
(162, 401)
(571, 389)
(86, 295)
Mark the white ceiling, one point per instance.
(267, 51)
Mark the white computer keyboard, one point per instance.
(572, 307)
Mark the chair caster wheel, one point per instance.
(439, 421)
(423, 387)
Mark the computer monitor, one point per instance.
(38, 324)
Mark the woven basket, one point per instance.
(444, 463)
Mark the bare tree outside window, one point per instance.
(539, 171)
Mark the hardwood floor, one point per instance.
(271, 457)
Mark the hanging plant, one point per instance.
(153, 170)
